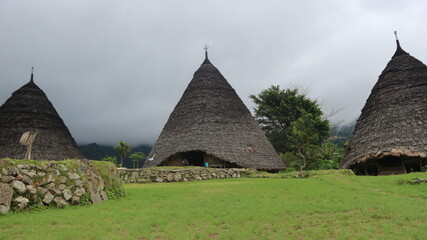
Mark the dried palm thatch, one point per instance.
(27, 139)
(211, 125)
(30, 127)
(391, 134)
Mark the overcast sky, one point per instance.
(114, 70)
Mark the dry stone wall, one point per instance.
(26, 184)
(158, 175)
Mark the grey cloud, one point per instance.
(114, 70)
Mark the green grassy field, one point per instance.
(320, 207)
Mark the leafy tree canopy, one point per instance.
(136, 158)
(325, 156)
(278, 111)
(307, 132)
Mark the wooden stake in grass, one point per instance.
(27, 139)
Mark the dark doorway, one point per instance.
(194, 158)
(368, 168)
(414, 164)
(390, 165)
(197, 158)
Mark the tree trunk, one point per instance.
(303, 158)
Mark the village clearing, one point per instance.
(323, 206)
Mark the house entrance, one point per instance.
(389, 165)
(193, 158)
(365, 168)
(414, 164)
(197, 158)
(190, 158)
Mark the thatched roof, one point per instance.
(210, 117)
(394, 119)
(29, 110)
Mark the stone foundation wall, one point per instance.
(25, 184)
(149, 175)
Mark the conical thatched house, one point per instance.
(391, 134)
(211, 126)
(30, 127)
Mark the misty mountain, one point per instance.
(94, 151)
(341, 133)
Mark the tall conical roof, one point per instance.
(211, 118)
(29, 109)
(394, 119)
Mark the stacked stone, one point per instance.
(418, 181)
(47, 184)
(148, 175)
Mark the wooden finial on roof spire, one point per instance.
(399, 50)
(206, 47)
(32, 74)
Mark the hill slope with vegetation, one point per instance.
(95, 151)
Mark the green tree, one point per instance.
(112, 159)
(136, 158)
(293, 123)
(307, 133)
(123, 149)
(328, 156)
(277, 109)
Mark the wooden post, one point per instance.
(30, 149)
(421, 164)
(378, 167)
(403, 165)
(364, 168)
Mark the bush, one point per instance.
(111, 159)
(325, 156)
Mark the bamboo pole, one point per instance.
(403, 165)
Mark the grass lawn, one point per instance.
(320, 207)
